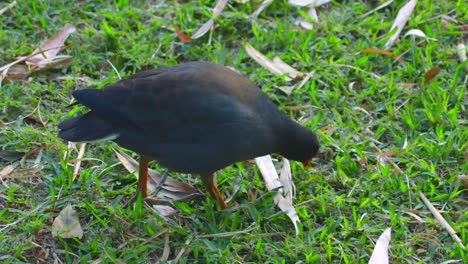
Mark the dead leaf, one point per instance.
(431, 74)
(67, 224)
(171, 189)
(273, 184)
(6, 171)
(380, 253)
(182, 37)
(289, 189)
(417, 33)
(461, 51)
(209, 24)
(164, 210)
(50, 47)
(42, 58)
(275, 66)
(400, 21)
(7, 7)
(264, 4)
(308, 2)
(378, 51)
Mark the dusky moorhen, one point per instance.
(196, 117)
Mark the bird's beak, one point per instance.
(306, 164)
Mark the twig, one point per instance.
(441, 220)
(79, 158)
(115, 69)
(8, 7)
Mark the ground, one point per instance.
(389, 132)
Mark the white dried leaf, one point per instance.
(164, 210)
(273, 183)
(206, 27)
(313, 3)
(417, 33)
(260, 8)
(289, 189)
(400, 21)
(277, 66)
(67, 224)
(380, 253)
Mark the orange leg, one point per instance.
(143, 177)
(210, 184)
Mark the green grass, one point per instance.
(388, 137)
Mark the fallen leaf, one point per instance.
(275, 66)
(7, 7)
(461, 51)
(400, 21)
(205, 27)
(289, 189)
(42, 58)
(49, 48)
(182, 37)
(164, 210)
(417, 33)
(378, 51)
(380, 253)
(67, 224)
(273, 184)
(260, 8)
(6, 171)
(171, 189)
(431, 74)
(308, 2)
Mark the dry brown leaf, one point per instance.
(15, 72)
(182, 37)
(67, 224)
(273, 184)
(431, 74)
(41, 59)
(400, 21)
(6, 171)
(378, 51)
(380, 253)
(171, 189)
(462, 27)
(49, 48)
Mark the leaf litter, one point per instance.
(42, 58)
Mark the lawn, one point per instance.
(392, 127)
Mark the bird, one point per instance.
(194, 117)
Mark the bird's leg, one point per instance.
(142, 183)
(143, 176)
(210, 183)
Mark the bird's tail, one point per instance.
(86, 128)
